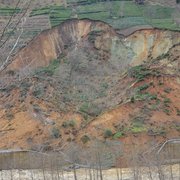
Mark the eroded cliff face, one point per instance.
(150, 44)
(134, 49)
(52, 43)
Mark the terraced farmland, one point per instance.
(119, 14)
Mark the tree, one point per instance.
(12, 31)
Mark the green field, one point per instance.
(119, 14)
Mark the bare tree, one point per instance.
(11, 34)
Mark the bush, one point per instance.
(36, 108)
(167, 101)
(85, 139)
(38, 90)
(177, 112)
(69, 123)
(167, 90)
(118, 135)
(136, 129)
(72, 123)
(90, 109)
(108, 133)
(24, 87)
(157, 131)
(143, 87)
(55, 132)
(138, 125)
(9, 116)
(138, 72)
(167, 111)
(145, 96)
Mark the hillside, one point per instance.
(84, 80)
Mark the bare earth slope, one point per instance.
(94, 80)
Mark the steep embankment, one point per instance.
(50, 44)
(83, 95)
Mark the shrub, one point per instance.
(138, 125)
(85, 139)
(139, 72)
(8, 88)
(118, 135)
(24, 87)
(72, 123)
(108, 133)
(90, 109)
(36, 108)
(177, 112)
(167, 111)
(9, 116)
(132, 99)
(69, 123)
(143, 87)
(156, 131)
(166, 101)
(145, 96)
(84, 107)
(136, 129)
(11, 72)
(167, 90)
(38, 91)
(55, 132)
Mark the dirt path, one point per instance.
(131, 30)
